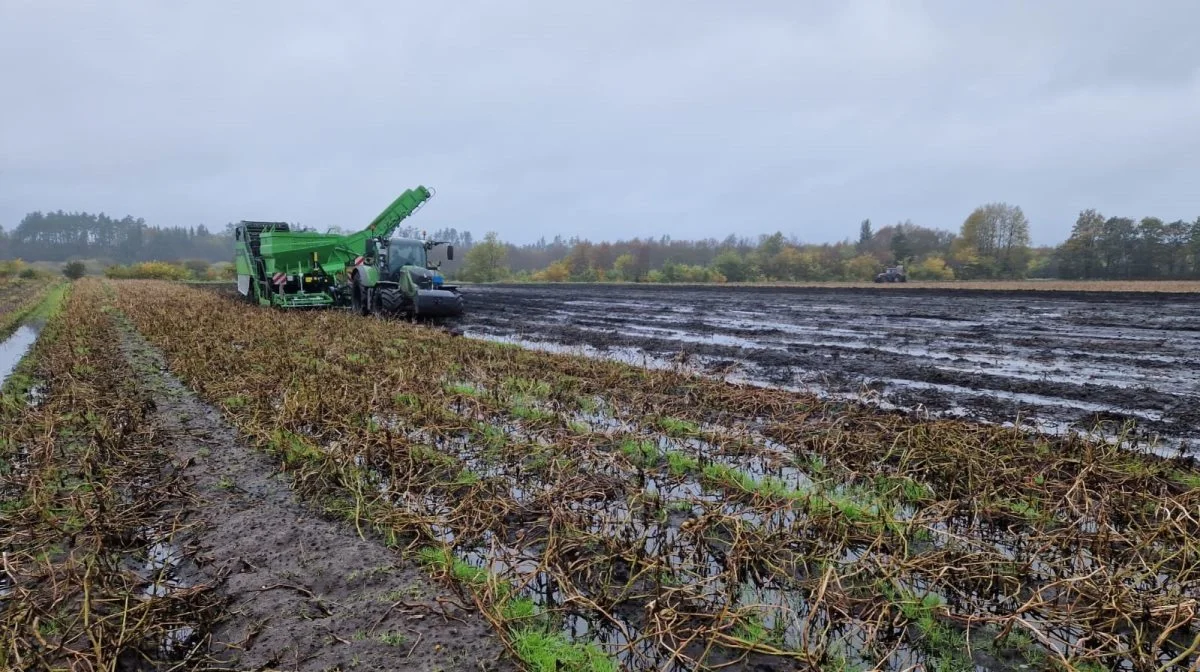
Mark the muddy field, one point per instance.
(145, 534)
(261, 489)
(1061, 361)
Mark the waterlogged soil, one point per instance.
(303, 592)
(14, 346)
(1059, 361)
(575, 508)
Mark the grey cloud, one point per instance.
(601, 119)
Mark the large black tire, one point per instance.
(391, 300)
(359, 301)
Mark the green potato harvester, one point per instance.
(368, 271)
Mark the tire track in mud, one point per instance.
(304, 592)
(1058, 361)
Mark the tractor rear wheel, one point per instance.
(391, 300)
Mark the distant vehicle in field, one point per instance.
(892, 274)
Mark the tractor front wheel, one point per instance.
(391, 301)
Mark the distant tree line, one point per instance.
(1120, 248)
(67, 236)
(63, 236)
(772, 257)
(993, 242)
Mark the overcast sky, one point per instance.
(602, 119)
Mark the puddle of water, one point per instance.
(1024, 398)
(14, 348)
(632, 356)
(699, 560)
(1016, 342)
(639, 358)
(688, 337)
(1165, 446)
(651, 510)
(160, 569)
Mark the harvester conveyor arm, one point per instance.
(387, 221)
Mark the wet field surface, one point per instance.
(675, 524)
(14, 346)
(1056, 361)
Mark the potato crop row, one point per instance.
(673, 521)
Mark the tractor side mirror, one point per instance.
(449, 253)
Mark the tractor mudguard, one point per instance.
(368, 276)
(405, 281)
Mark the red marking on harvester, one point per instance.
(358, 261)
(279, 278)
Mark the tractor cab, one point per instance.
(403, 252)
(412, 255)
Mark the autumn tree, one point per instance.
(486, 261)
(931, 268)
(1079, 256)
(1149, 252)
(625, 268)
(901, 248)
(733, 267)
(641, 259)
(579, 260)
(994, 240)
(862, 267)
(1116, 246)
(864, 235)
(1194, 247)
(559, 271)
(1176, 237)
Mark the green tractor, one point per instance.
(367, 270)
(395, 277)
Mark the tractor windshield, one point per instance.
(403, 253)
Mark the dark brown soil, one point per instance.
(1058, 360)
(304, 592)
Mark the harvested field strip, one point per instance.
(15, 292)
(302, 592)
(675, 521)
(18, 300)
(24, 307)
(1064, 363)
(1005, 286)
(85, 542)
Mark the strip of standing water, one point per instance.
(13, 348)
